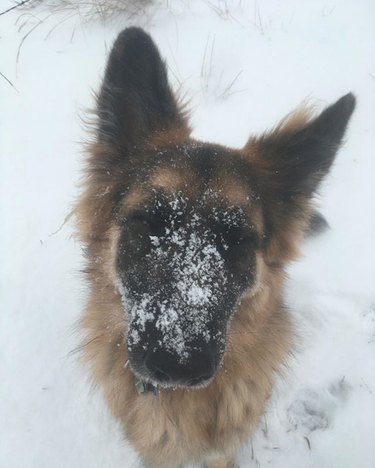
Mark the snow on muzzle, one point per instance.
(177, 329)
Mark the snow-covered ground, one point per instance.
(244, 65)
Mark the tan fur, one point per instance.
(173, 137)
(296, 119)
(232, 189)
(133, 199)
(167, 179)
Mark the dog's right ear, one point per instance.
(136, 100)
(289, 164)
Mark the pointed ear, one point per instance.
(135, 99)
(291, 161)
(294, 158)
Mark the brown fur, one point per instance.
(207, 424)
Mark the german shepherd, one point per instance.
(186, 244)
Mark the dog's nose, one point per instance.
(168, 368)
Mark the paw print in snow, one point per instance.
(313, 409)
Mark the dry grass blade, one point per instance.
(228, 90)
(103, 10)
(8, 81)
(39, 22)
(66, 18)
(14, 7)
(66, 219)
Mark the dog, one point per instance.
(186, 243)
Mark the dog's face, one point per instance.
(196, 223)
(187, 250)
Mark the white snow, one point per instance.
(244, 65)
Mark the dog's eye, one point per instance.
(240, 236)
(150, 221)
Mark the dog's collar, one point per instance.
(145, 387)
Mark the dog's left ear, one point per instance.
(290, 162)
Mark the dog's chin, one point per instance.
(181, 386)
(144, 377)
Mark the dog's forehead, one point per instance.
(167, 187)
(188, 181)
(203, 180)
